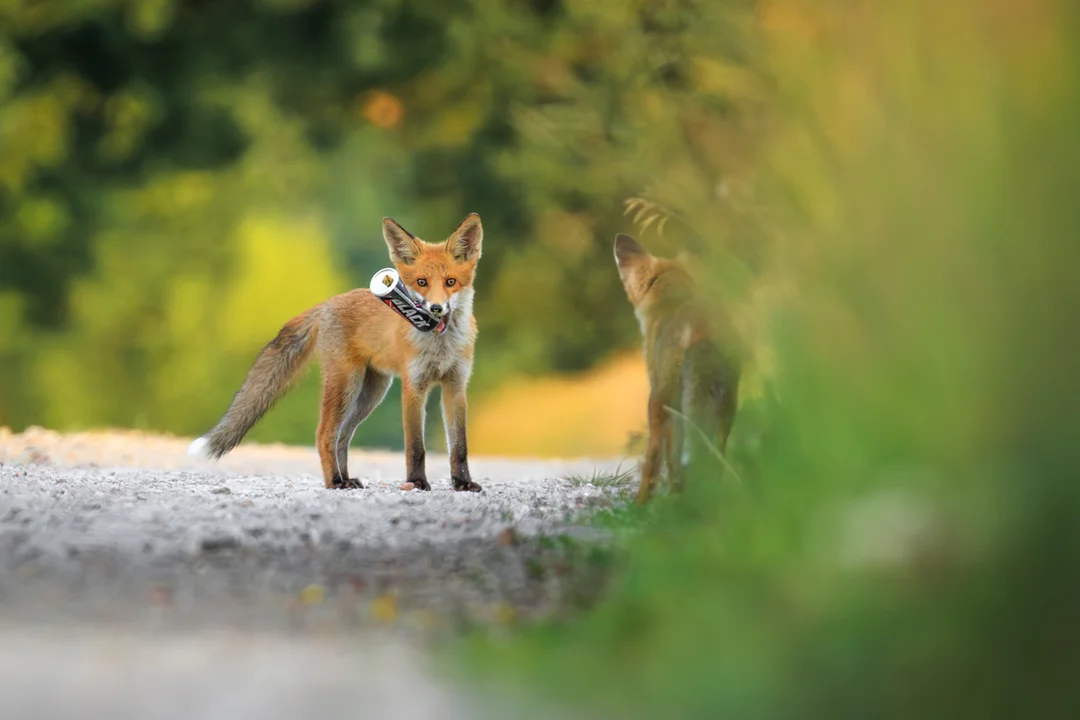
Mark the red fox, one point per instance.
(688, 357)
(363, 345)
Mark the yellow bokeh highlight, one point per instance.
(382, 109)
(284, 267)
(592, 414)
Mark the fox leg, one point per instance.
(674, 443)
(373, 386)
(455, 410)
(338, 390)
(673, 435)
(659, 420)
(412, 416)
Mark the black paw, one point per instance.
(346, 484)
(416, 484)
(465, 485)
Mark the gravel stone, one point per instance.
(153, 585)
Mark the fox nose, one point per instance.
(437, 310)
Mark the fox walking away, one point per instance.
(690, 356)
(363, 345)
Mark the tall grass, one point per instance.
(908, 542)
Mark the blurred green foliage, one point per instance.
(179, 177)
(907, 541)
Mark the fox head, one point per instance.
(440, 273)
(648, 279)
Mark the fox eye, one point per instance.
(422, 282)
(450, 282)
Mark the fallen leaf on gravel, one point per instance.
(312, 595)
(160, 597)
(384, 608)
(508, 537)
(221, 491)
(505, 614)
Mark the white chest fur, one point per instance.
(441, 357)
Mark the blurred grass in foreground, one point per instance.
(909, 541)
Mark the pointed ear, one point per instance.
(464, 244)
(628, 250)
(402, 243)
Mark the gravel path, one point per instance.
(137, 576)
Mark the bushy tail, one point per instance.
(270, 377)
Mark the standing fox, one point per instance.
(363, 345)
(688, 368)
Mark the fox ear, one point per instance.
(402, 243)
(465, 243)
(627, 250)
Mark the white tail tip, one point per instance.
(199, 448)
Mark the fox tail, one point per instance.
(272, 375)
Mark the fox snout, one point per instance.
(437, 304)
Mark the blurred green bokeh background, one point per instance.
(179, 177)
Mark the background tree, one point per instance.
(178, 178)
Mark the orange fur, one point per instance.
(688, 357)
(363, 344)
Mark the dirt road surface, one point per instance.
(138, 583)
